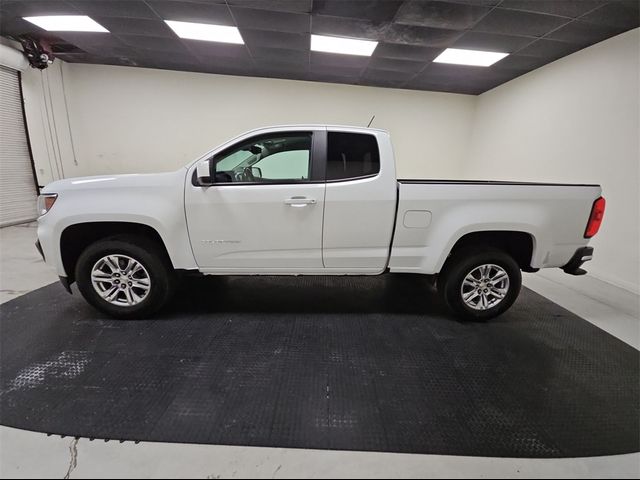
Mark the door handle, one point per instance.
(299, 201)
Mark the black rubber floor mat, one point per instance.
(331, 363)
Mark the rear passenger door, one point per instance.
(360, 203)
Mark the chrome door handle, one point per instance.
(299, 201)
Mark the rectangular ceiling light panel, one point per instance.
(67, 23)
(475, 58)
(206, 31)
(346, 46)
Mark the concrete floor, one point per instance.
(34, 455)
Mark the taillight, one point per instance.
(595, 219)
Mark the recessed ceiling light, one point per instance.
(347, 46)
(67, 23)
(476, 58)
(206, 31)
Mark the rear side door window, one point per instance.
(351, 156)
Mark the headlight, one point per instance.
(45, 202)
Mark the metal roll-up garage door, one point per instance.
(17, 186)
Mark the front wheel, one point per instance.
(479, 284)
(125, 276)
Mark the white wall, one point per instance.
(128, 120)
(575, 120)
(49, 127)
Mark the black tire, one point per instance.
(147, 253)
(463, 263)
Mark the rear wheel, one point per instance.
(125, 276)
(479, 284)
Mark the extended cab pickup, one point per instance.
(309, 200)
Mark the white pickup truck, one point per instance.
(309, 200)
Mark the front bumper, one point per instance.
(63, 280)
(65, 283)
(582, 255)
(39, 248)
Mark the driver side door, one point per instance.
(263, 212)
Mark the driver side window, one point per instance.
(274, 158)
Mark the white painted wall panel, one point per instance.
(126, 120)
(575, 120)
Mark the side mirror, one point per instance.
(203, 173)
(256, 172)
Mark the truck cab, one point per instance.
(295, 200)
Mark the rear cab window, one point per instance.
(351, 156)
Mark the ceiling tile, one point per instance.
(331, 77)
(435, 70)
(63, 48)
(282, 40)
(432, 37)
(223, 66)
(395, 64)
(162, 60)
(331, 60)
(95, 43)
(384, 78)
(115, 8)
(293, 6)
(584, 33)
(478, 3)
(374, 10)
(566, 8)
(462, 79)
(380, 82)
(521, 63)
(280, 66)
(192, 12)
(135, 26)
(267, 20)
(625, 15)
(492, 42)
(23, 8)
(216, 49)
(406, 52)
(80, 57)
(513, 22)
(440, 14)
(175, 65)
(463, 73)
(351, 75)
(549, 48)
(16, 26)
(466, 87)
(279, 55)
(348, 27)
(283, 73)
(388, 74)
(156, 44)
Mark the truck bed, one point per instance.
(434, 214)
(419, 181)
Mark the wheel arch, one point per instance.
(75, 238)
(519, 244)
